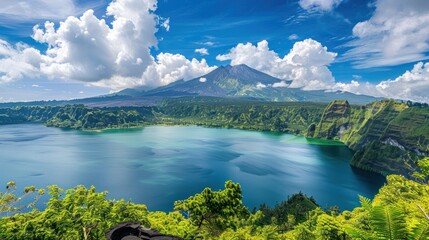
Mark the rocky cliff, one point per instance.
(387, 136)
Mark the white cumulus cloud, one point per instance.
(319, 5)
(260, 85)
(166, 69)
(88, 49)
(412, 85)
(306, 64)
(281, 84)
(18, 61)
(202, 51)
(203, 80)
(396, 33)
(293, 37)
(115, 55)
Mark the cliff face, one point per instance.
(388, 136)
(370, 122)
(335, 121)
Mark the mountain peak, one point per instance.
(244, 74)
(238, 66)
(242, 81)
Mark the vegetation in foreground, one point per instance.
(398, 211)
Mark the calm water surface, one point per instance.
(158, 165)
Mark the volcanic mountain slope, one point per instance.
(245, 82)
(221, 82)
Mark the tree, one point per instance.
(423, 175)
(9, 201)
(214, 211)
(80, 213)
(328, 228)
(388, 223)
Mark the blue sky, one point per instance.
(365, 47)
(227, 23)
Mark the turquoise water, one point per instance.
(158, 165)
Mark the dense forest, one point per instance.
(398, 211)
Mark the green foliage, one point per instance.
(80, 213)
(79, 116)
(214, 211)
(10, 202)
(288, 213)
(420, 231)
(388, 136)
(385, 159)
(393, 214)
(328, 228)
(388, 222)
(335, 120)
(423, 175)
(254, 115)
(365, 202)
(397, 212)
(173, 223)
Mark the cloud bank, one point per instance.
(306, 63)
(18, 61)
(412, 85)
(90, 50)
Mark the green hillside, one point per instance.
(388, 136)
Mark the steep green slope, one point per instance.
(335, 120)
(370, 122)
(388, 136)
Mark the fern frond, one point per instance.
(420, 231)
(365, 202)
(388, 223)
(357, 233)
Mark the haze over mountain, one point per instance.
(244, 82)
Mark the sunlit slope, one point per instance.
(388, 136)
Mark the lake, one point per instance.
(160, 164)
